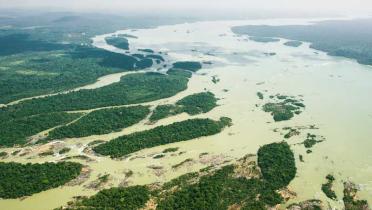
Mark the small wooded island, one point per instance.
(175, 132)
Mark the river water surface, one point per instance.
(336, 92)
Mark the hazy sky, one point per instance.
(311, 6)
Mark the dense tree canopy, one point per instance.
(35, 73)
(132, 88)
(193, 104)
(277, 164)
(117, 41)
(101, 122)
(208, 189)
(131, 198)
(15, 132)
(188, 65)
(17, 180)
(175, 132)
(338, 38)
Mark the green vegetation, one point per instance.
(284, 108)
(301, 158)
(178, 131)
(15, 132)
(59, 54)
(291, 132)
(31, 74)
(163, 111)
(327, 187)
(117, 41)
(280, 111)
(219, 191)
(222, 188)
(293, 43)
(277, 164)
(311, 140)
(21, 42)
(188, 65)
(179, 72)
(312, 204)
(95, 142)
(171, 149)
(158, 156)
(208, 189)
(350, 198)
(46, 153)
(193, 104)
(78, 157)
(101, 122)
(337, 38)
(3, 154)
(260, 95)
(182, 163)
(156, 57)
(99, 182)
(17, 180)
(130, 198)
(215, 79)
(64, 150)
(16, 152)
(74, 28)
(198, 103)
(270, 53)
(146, 50)
(104, 178)
(263, 39)
(132, 88)
(144, 63)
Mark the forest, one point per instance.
(284, 108)
(263, 39)
(140, 87)
(53, 71)
(193, 104)
(210, 188)
(198, 103)
(277, 164)
(220, 190)
(21, 42)
(117, 198)
(18, 180)
(350, 198)
(117, 41)
(15, 132)
(293, 43)
(327, 188)
(101, 122)
(188, 65)
(336, 37)
(161, 135)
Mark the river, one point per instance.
(336, 92)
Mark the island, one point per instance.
(175, 132)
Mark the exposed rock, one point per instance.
(247, 167)
(307, 205)
(287, 194)
(84, 175)
(150, 205)
(99, 183)
(351, 200)
(212, 159)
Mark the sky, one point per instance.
(196, 6)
